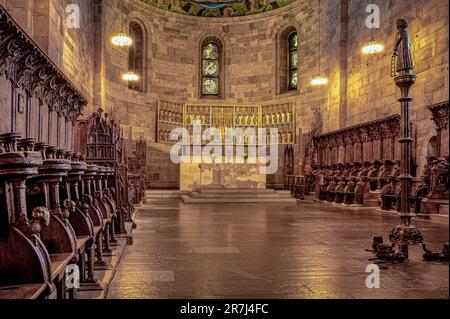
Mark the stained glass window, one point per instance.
(211, 86)
(210, 69)
(293, 60)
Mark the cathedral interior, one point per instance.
(232, 149)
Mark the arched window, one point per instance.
(136, 57)
(293, 60)
(287, 60)
(211, 83)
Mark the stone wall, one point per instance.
(173, 53)
(375, 96)
(22, 11)
(70, 49)
(360, 87)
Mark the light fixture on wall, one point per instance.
(319, 79)
(122, 39)
(373, 47)
(130, 76)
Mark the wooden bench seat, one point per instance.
(24, 291)
(59, 264)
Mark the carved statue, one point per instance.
(430, 256)
(40, 216)
(385, 252)
(68, 208)
(377, 240)
(402, 62)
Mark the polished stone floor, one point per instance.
(267, 251)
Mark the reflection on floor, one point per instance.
(268, 251)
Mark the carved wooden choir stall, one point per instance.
(360, 166)
(136, 165)
(57, 208)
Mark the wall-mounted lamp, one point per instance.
(319, 80)
(372, 48)
(122, 40)
(130, 77)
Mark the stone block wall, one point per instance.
(22, 11)
(371, 91)
(360, 88)
(70, 49)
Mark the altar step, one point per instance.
(241, 195)
(156, 194)
(308, 198)
(238, 196)
(439, 218)
(241, 191)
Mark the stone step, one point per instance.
(240, 195)
(443, 210)
(238, 190)
(149, 199)
(162, 194)
(161, 191)
(375, 195)
(308, 199)
(438, 218)
(236, 200)
(371, 203)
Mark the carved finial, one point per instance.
(87, 199)
(68, 208)
(41, 214)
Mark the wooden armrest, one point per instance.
(81, 241)
(96, 230)
(59, 263)
(24, 291)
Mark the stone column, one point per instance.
(405, 233)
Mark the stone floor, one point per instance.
(268, 251)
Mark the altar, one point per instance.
(220, 174)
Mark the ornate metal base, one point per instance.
(411, 235)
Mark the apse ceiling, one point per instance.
(219, 8)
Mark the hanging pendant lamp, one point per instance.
(373, 47)
(122, 39)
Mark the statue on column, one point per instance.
(402, 62)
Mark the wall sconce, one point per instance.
(372, 48)
(319, 80)
(130, 77)
(122, 40)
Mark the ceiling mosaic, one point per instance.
(219, 8)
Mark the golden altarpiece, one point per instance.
(251, 120)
